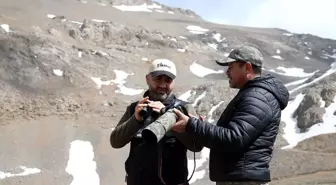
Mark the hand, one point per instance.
(138, 108)
(156, 105)
(181, 124)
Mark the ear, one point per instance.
(147, 79)
(248, 67)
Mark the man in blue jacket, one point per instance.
(241, 143)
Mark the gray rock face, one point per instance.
(210, 100)
(328, 95)
(310, 117)
(309, 112)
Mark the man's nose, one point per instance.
(162, 84)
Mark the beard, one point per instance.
(157, 96)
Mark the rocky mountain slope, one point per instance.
(69, 69)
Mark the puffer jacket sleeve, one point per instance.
(251, 115)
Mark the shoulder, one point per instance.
(255, 97)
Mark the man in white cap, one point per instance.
(163, 163)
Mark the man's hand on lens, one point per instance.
(181, 124)
(142, 103)
(156, 105)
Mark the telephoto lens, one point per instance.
(154, 132)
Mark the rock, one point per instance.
(312, 99)
(309, 111)
(328, 95)
(310, 117)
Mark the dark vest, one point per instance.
(158, 164)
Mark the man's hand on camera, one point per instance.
(142, 103)
(156, 105)
(181, 124)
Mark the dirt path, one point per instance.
(322, 177)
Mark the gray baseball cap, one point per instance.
(243, 54)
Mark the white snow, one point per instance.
(181, 50)
(185, 95)
(26, 172)
(292, 134)
(5, 27)
(287, 34)
(160, 11)
(307, 58)
(199, 173)
(170, 12)
(201, 71)
(144, 59)
(278, 51)
(80, 54)
(182, 37)
(297, 82)
(293, 71)
(310, 53)
(121, 76)
(213, 46)
(51, 16)
(98, 20)
(199, 98)
(196, 29)
(217, 37)
(58, 72)
(210, 119)
(327, 73)
(173, 39)
(277, 57)
(81, 164)
(138, 8)
(334, 51)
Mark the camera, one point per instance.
(146, 111)
(154, 132)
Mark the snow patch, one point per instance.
(201, 71)
(181, 50)
(182, 37)
(327, 73)
(287, 34)
(58, 72)
(217, 37)
(26, 172)
(199, 173)
(278, 51)
(199, 98)
(196, 29)
(210, 119)
(170, 12)
(295, 72)
(51, 16)
(277, 57)
(292, 133)
(5, 27)
(307, 58)
(81, 164)
(98, 20)
(121, 76)
(297, 82)
(137, 8)
(213, 46)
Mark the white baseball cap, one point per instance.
(162, 67)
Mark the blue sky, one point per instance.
(317, 17)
